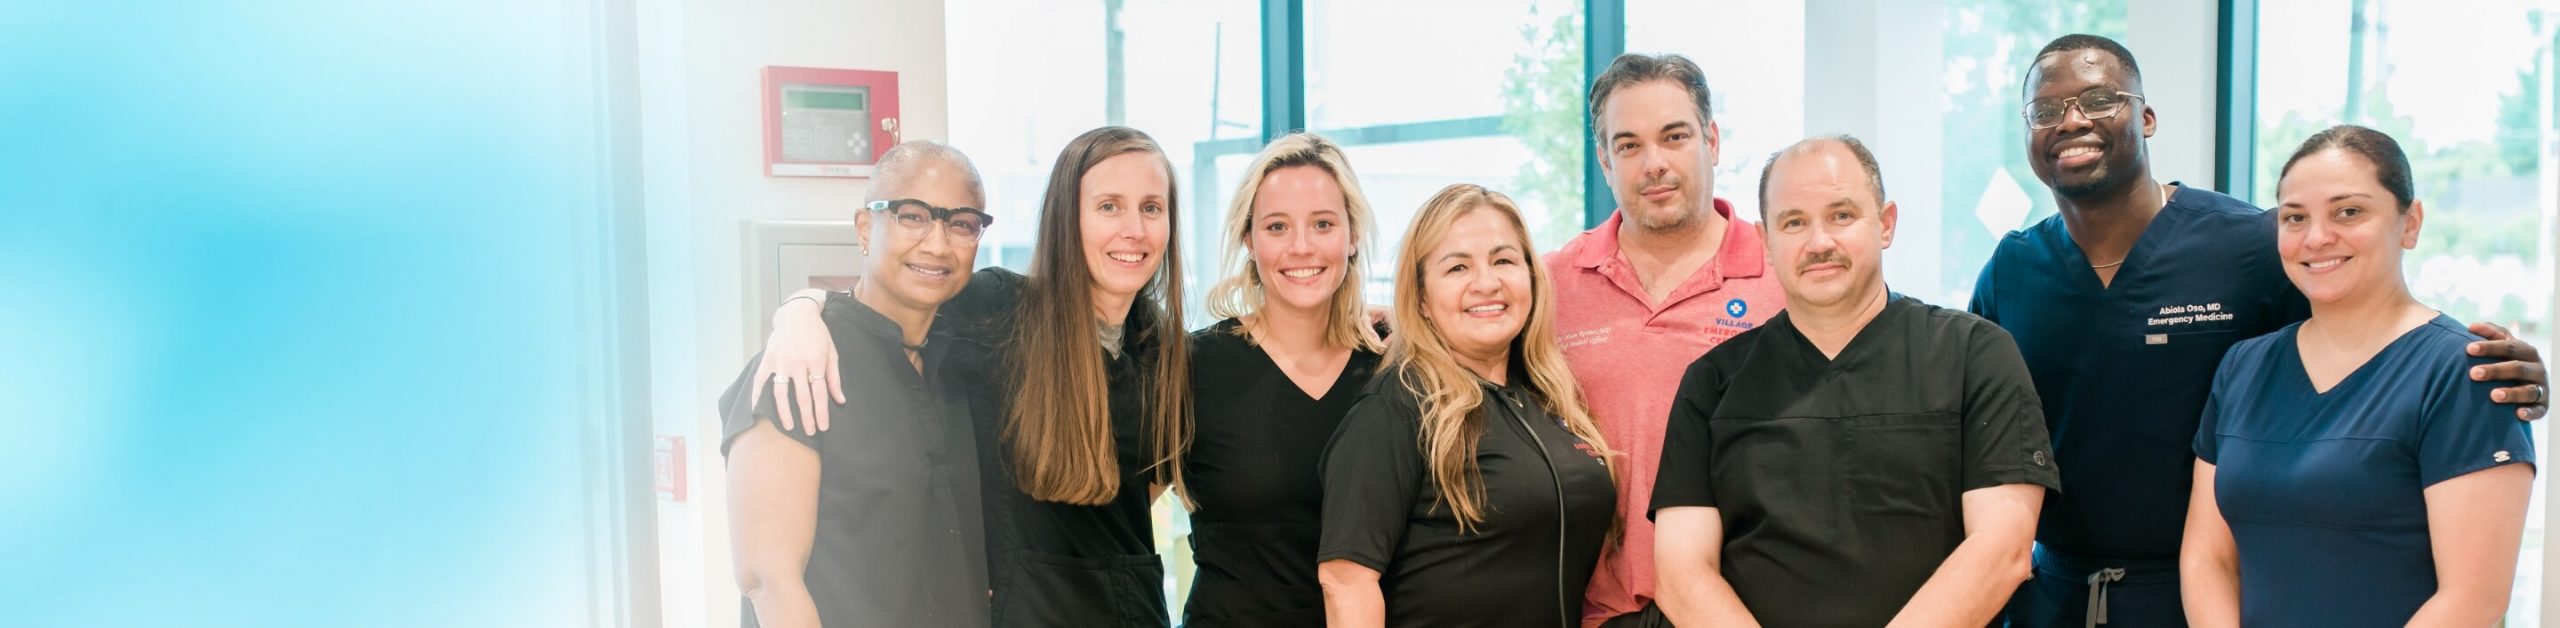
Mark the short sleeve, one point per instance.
(2005, 441)
(1372, 470)
(1685, 476)
(2463, 431)
(741, 408)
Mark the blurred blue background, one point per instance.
(290, 313)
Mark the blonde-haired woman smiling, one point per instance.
(1468, 486)
(1272, 381)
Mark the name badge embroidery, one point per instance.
(2177, 315)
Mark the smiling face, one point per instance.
(1301, 238)
(1827, 232)
(1125, 219)
(2083, 158)
(1659, 156)
(2340, 233)
(919, 269)
(1475, 284)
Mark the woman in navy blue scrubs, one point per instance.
(2348, 473)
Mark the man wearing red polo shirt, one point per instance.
(1671, 274)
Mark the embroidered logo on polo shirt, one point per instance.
(1736, 308)
(2501, 456)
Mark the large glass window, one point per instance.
(1491, 96)
(2467, 90)
(1187, 73)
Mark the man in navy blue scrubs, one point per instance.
(2122, 305)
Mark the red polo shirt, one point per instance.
(1628, 353)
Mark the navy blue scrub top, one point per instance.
(2124, 368)
(2325, 492)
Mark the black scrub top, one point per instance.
(899, 539)
(1252, 476)
(1549, 504)
(1056, 564)
(2124, 367)
(1840, 481)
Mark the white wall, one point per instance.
(702, 164)
(2177, 44)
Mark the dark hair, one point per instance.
(2390, 165)
(1060, 427)
(1636, 67)
(2083, 41)
(1806, 146)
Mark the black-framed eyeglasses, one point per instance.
(966, 224)
(2093, 106)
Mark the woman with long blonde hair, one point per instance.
(1272, 380)
(1468, 486)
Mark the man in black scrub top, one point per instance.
(1863, 458)
(2123, 303)
(877, 522)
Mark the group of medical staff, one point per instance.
(2163, 405)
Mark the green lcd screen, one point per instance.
(807, 99)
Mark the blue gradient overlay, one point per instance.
(298, 318)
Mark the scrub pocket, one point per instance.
(1082, 592)
(1904, 465)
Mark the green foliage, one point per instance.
(1542, 106)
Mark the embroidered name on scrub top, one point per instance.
(2172, 317)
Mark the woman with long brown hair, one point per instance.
(1468, 486)
(1084, 365)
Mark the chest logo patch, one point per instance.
(1736, 308)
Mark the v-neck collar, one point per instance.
(1341, 377)
(1857, 346)
(2301, 369)
(2135, 258)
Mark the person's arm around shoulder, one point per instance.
(2528, 384)
(800, 359)
(773, 515)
